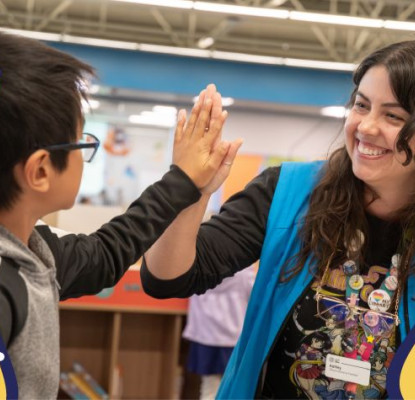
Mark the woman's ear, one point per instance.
(37, 171)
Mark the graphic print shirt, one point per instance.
(296, 364)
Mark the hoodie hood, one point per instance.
(33, 258)
(34, 352)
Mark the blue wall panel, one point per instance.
(187, 75)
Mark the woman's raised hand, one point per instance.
(198, 148)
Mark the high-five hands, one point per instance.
(198, 148)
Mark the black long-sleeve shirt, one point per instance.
(226, 243)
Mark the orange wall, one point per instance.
(244, 169)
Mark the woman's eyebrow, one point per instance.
(393, 104)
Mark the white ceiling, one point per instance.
(117, 20)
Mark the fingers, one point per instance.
(202, 122)
(190, 125)
(213, 135)
(218, 155)
(216, 106)
(210, 90)
(181, 119)
(225, 153)
(232, 151)
(203, 112)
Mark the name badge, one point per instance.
(347, 369)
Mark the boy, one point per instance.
(40, 171)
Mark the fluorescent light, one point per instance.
(400, 25)
(227, 101)
(100, 42)
(89, 105)
(181, 51)
(294, 62)
(336, 19)
(169, 110)
(147, 114)
(93, 89)
(334, 111)
(151, 116)
(205, 42)
(53, 37)
(162, 3)
(94, 104)
(240, 10)
(151, 119)
(224, 55)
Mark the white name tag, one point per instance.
(347, 369)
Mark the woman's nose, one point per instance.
(369, 125)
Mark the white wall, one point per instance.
(289, 135)
(267, 133)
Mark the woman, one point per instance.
(309, 223)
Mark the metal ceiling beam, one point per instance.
(318, 32)
(224, 26)
(191, 29)
(365, 34)
(53, 14)
(351, 33)
(4, 10)
(406, 13)
(158, 16)
(328, 42)
(30, 5)
(103, 15)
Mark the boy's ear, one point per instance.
(37, 171)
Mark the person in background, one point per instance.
(214, 323)
(41, 162)
(336, 244)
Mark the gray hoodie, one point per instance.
(37, 367)
(34, 278)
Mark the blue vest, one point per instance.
(271, 301)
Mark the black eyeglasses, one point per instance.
(88, 144)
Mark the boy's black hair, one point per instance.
(40, 104)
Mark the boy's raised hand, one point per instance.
(198, 149)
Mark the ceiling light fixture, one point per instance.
(277, 13)
(205, 42)
(241, 10)
(336, 19)
(400, 25)
(186, 4)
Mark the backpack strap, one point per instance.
(13, 300)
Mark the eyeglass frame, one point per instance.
(76, 146)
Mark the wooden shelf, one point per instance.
(143, 346)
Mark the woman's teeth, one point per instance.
(370, 151)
